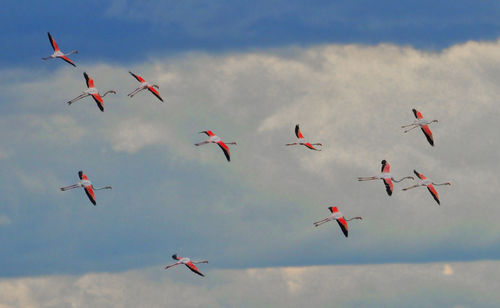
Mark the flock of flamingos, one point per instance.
(336, 215)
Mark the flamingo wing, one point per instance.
(420, 175)
(155, 93)
(208, 133)
(389, 187)
(343, 226)
(428, 134)
(99, 101)
(433, 192)
(139, 78)
(310, 146)
(82, 175)
(417, 114)
(90, 193)
(88, 80)
(386, 168)
(225, 149)
(193, 268)
(333, 209)
(298, 133)
(52, 42)
(67, 60)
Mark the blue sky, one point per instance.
(131, 31)
(249, 71)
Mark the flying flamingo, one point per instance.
(423, 124)
(302, 141)
(57, 52)
(337, 215)
(87, 186)
(216, 139)
(144, 85)
(92, 91)
(386, 177)
(186, 261)
(430, 185)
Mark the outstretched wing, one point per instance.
(433, 192)
(386, 168)
(343, 226)
(420, 175)
(52, 42)
(67, 60)
(82, 175)
(88, 80)
(208, 133)
(139, 78)
(225, 149)
(99, 101)
(193, 268)
(417, 114)
(333, 209)
(90, 193)
(298, 133)
(428, 134)
(155, 93)
(389, 187)
(310, 146)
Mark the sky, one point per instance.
(348, 73)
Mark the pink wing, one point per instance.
(155, 93)
(386, 168)
(310, 146)
(52, 42)
(297, 132)
(420, 175)
(333, 209)
(225, 149)
(193, 268)
(417, 114)
(343, 226)
(90, 193)
(67, 60)
(428, 134)
(99, 101)
(433, 192)
(389, 187)
(139, 78)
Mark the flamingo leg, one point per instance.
(411, 187)
(201, 143)
(69, 187)
(78, 98)
(368, 178)
(135, 91)
(295, 143)
(318, 223)
(47, 58)
(411, 128)
(172, 265)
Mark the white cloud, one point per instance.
(351, 98)
(389, 285)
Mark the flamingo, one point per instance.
(302, 141)
(92, 90)
(430, 185)
(423, 124)
(386, 177)
(186, 261)
(87, 186)
(337, 215)
(144, 85)
(216, 139)
(57, 52)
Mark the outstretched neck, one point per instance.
(447, 183)
(110, 91)
(357, 217)
(105, 187)
(406, 177)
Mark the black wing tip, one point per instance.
(174, 256)
(389, 191)
(80, 174)
(416, 173)
(383, 162)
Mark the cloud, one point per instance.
(447, 270)
(352, 98)
(388, 285)
(4, 220)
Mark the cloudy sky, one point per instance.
(349, 74)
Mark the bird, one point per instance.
(57, 52)
(145, 85)
(212, 138)
(386, 177)
(423, 124)
(337, 215)
(92, 90)
(87, 187)
(430, 185)
(302, 141)
(186, 261)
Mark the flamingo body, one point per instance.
(386, 177)
(429, 184)
(58, 53)
(212, 138)
(339, 217)
(145, 85)
(87, 186)
(188, 263)
(302, 141)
